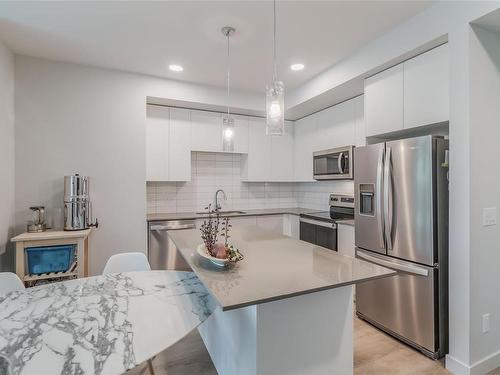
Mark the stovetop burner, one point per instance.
(341, 208)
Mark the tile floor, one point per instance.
(374, 353)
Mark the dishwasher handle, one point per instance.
(172, 227)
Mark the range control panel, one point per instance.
(341, 200)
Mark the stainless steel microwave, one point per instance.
(334, 164)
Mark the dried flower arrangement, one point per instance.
(210, 233)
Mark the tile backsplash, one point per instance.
(212, 171)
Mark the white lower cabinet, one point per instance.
(243, 221)
(271, 222)
(291, 226)
(345, 240)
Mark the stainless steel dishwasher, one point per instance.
(162, 252)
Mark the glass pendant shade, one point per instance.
(275, 108)
(228, 133)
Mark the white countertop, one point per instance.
(99, 325)
(275, 267)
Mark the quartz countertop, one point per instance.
(275, 267)
(256, 212)
(346, 222)
(99, 325)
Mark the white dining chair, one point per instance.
(129, 262)
(9, 282)
(126, 262)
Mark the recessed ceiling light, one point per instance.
(297, 67)
(175, 68)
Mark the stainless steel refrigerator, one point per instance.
(401, 221)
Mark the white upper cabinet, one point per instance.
(282, 155)
(168, 144)
(359, 118)
(206, 131)
(303, 146)
(411, 94)
(426, 88)
(241, 134)
(384, 101)
(157, 139)
(336, 126)
(256, 166)
(270, 158)
(179, 145)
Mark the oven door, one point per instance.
(333, 164)
(319, 233)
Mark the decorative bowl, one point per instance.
(201, 249)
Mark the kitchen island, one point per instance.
(285, 309)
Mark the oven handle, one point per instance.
(319, 223)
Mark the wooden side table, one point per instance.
(53, 238)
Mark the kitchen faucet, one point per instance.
(217, 205)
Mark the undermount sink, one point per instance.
(224, 213)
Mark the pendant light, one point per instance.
(228, 120)
(275, 94)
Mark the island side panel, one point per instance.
(308, 334)
(230, 339)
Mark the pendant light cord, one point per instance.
(275, 75)
(227, 78)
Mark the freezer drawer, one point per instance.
(403, 305)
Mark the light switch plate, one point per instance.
(486, 323)
(489, 216)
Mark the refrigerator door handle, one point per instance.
(398, 266)
(378, 199)
(388, 199)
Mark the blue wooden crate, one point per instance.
(46, 259)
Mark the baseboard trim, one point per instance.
(481, 367)
(456, 367)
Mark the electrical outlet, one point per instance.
(489, 216)
(486, 323)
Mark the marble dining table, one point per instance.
(99, 325)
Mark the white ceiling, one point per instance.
(145, 37)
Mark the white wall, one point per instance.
(7, 173)
(76, 119)
(484, 189)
